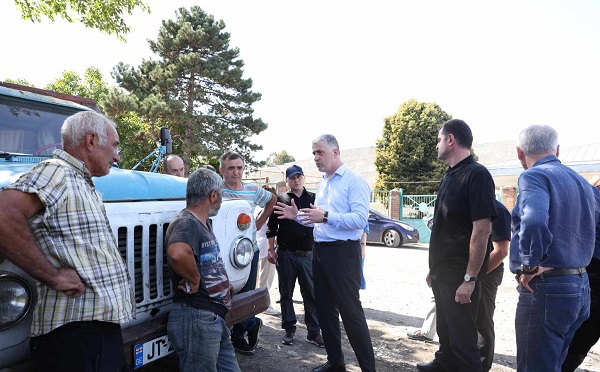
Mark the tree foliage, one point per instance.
(92, 85)
(196, 88)
(20, 82)
(405, 155)
(105, 15)
(136, 135)
(279, 158)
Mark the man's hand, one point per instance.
(464, 292)
(285, 211)
(524, 279)
(272, 256)
(188, 287)
(428, 280)
(67, 281)
(311, 215)
(231, 290)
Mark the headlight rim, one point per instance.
(5, 276)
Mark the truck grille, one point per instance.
(150, 271)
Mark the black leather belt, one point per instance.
(336, 242)
(563, 272)
(294, 252)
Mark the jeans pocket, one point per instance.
(562, 310)
(206, 317)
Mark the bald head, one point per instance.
(174, 166)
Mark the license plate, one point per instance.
(151, 351)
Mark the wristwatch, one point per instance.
(325, 217)
(469, 278)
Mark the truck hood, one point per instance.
(119, 184)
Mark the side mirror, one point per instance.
(165, 140)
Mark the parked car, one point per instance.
(393, 233)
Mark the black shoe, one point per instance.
(315, 340)
(288, 339)
(328, 367)
(433, 366)
(242, 347)
(253, 334)
(418, 336)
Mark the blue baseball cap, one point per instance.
(292, 171)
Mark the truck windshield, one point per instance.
(28, 127)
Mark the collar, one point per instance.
(546, 159)
(466, 161)
(304, 192)
(341, 170)
(76, 164)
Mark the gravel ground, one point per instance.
(395, 302)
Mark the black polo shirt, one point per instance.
(290, 234)
(466, 194)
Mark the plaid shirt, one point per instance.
(72, 230)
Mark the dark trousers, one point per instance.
(485, 315)
(289, 268)
(336, 270)
(239, 329)
(80, 346)
(589, 333)
(456, 328)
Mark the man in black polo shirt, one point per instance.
(459, 249)
(294, 259)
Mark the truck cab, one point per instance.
(139, 206)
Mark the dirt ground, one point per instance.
(395, 302)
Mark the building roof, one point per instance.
(499, 157)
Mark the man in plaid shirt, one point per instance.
(54, 226)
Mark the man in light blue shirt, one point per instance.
(339, 216)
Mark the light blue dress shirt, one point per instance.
(345, 196)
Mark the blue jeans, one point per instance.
(547, 319)
(201, 340)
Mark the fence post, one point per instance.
(509, 197)
(395, 204)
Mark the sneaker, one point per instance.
(288, 339)
(271, 311)
(316, 340)
(418, 336)
(242, 347)
(253, 334)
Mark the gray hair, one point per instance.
(77, 126)
(538, 140)
(329, 139)
(200, 184)
(230, 155)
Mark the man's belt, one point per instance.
(294, 251)
(336, 242)
(563, 272)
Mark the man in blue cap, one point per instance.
(293, 257)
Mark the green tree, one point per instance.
(105, 15)
(279, 158)
(92, 85)
(20, 82)
(137, 135)
(405, 156)
(196, 88)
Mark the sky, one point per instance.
(341, 67)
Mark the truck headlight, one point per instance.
(241, 254)
(15, 300)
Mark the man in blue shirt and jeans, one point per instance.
(553, 240)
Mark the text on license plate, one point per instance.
(150, 351)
